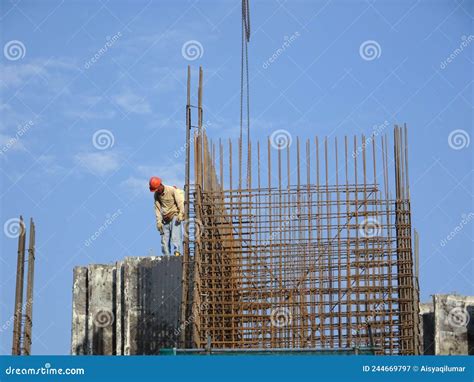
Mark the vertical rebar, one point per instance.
(27, 330)
(18, 307)
(185, 275)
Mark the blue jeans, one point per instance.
(171, 240)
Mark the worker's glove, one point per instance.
(179, 218)
(159, 227)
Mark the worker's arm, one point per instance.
(179, 199)
(159, 216)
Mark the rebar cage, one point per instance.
(324, 263)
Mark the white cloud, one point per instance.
(90, 114)
(15, 75)
(5, 107)
(132, 103)
(51, 165)
(10, 143)
(98, 163)
(158, 122)
(135, 186)
(172, 175)
(89, 107)
(168, 79)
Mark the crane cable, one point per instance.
(244, 87)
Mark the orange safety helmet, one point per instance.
(155, 182)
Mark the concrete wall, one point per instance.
(131, 307)
(427, 328)
(448, 325)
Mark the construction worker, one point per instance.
(169, 211)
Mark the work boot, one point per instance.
(176, 253)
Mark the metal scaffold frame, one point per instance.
(318, 256)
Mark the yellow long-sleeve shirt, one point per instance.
(169, 204)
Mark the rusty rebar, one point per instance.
(317, 263)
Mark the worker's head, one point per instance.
(156, 185)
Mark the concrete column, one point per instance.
(79, 339)
(452, 320)
(132, 305)
(129, 308)
(119, 308)
(101, 317)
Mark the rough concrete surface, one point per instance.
(448, 325)
(130, 307)
(133, 307)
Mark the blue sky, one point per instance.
(53, 169)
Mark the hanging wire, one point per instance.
(244, 87)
